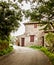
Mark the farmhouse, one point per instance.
(32, 36)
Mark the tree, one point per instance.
(10, 15)
(43, 13)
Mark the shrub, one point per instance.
(6, 51)
(4, 44)
(36, 47)
(50, 40)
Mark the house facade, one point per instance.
(32, 36)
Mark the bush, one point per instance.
(6, 51)
(50, 40)
(3, 44)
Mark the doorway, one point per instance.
(22, 41)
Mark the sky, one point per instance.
(21, 29)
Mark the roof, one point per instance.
(49, 31)
(28, 23)
(31, 23)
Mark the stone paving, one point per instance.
(25, 56)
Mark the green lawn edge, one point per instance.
(45, 50)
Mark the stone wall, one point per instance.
(30, 30)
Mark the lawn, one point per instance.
(45, 50)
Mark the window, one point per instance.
(35, 25)
(31, 38)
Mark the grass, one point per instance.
(6, 51)
(45, 50)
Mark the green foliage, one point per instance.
(43, 13)
(49, 54)
(4, 44)
(6, 51)
(12, 39)
(46, 51)
(8, 21)
(10, 15)
(50, 40)
(50, 37)
(36, 47)
(20, 1)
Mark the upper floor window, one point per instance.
(35, 25)
(31, 38)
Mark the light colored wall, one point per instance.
(30, 30)
(28, 43)
(37, 41)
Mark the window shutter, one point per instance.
(31, 38)
(35, 25)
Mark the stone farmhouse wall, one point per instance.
(31, 30)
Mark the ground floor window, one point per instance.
(31, 38)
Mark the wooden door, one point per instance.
(22, 41)
(42, 40)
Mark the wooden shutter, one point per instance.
(31, 38)
(35, 25)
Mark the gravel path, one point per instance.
(25, 56)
